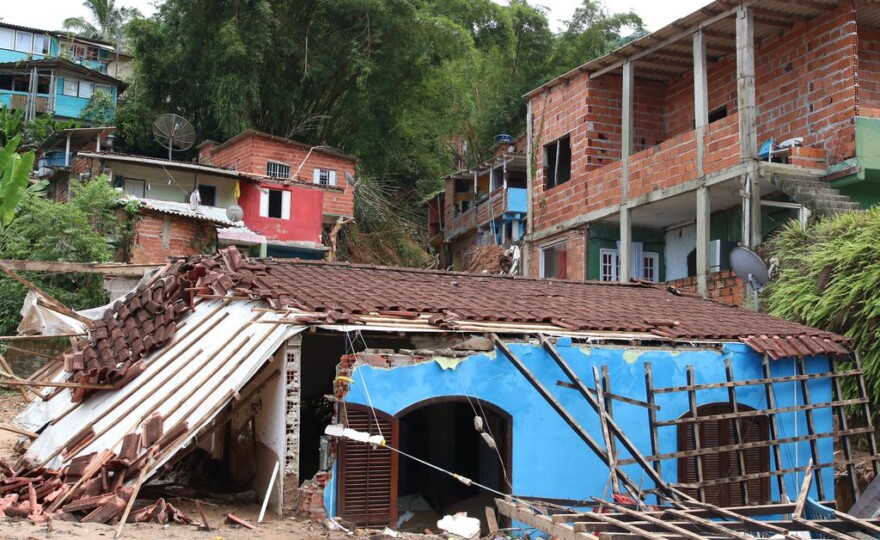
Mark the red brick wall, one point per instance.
(723, 286)
(805, 86)
(185, 237)
(575, 247)
(869, 68)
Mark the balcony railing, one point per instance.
(499, 205)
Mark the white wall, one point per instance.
(679, 242)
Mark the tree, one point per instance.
(100, 110)
(91, 227)
(107, 20)
(830, 278)
(14, 175)
(390, 81)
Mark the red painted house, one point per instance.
(292, 193)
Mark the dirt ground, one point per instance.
(272, 527)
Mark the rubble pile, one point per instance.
(91, 488)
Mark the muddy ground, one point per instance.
(273, 526)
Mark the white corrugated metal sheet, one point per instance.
(220, 348)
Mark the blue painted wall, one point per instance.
(517, 200)
(549, 460)
(15, 56)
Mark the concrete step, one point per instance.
(798, 182)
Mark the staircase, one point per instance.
(814, 194)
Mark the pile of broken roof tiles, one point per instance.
(91, 488)
(131, 328)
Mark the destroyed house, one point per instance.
(652, 162)
(548, 390)
(481, 205)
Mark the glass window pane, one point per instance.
(104, 88)
(41, 44)
(86, 89)
(24, 41)
(71, 88)
(7, 38)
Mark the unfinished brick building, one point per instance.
(653, 161)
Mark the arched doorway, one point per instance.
(443, 432)
(717, 430)
(377, 486)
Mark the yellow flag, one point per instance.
(237, 192)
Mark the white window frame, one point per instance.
(324, 177)
(274, 169)
(74, 92)
(135, 186)
(544, 248)
(285, 203)
(30, 47)
(10, 45)
(83, 85)
(610, 271)
(47, 44)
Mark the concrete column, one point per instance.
(745, 83)
(626, 129)
(67, 151)
(701, 99)
(293, 393)
(704, 210)
(531, 164)
(625, 254)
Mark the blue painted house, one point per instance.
(52, 73)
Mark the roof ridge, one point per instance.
(414, 270)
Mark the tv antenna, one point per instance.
(748, 266)
(174, 132)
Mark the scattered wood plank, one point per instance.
(232, 518)
(205, 525)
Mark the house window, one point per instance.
(71, 88)
(24, 42)
(557, 162)
(277, 170)
(7, 38)
(208, 194)
(41, 44)
(718, 114)
(554, 261)
(324, 177)
(716, 466)
(609, 265)
(104, 88)
(86, 89)
(135, 187)
(275, 203)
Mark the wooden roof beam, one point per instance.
(672, 39)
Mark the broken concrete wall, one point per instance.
(548, 459)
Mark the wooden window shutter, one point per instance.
(264, 202)
(367, 491)
(316, 176)
(285, 205)
(714, 433)
(562, 262)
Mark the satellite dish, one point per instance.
(749, 267)
(350, 178)
(235, 213)
(174, 133)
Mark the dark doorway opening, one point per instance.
(443, 432)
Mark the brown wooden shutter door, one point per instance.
(714, 433)
(367, 491)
